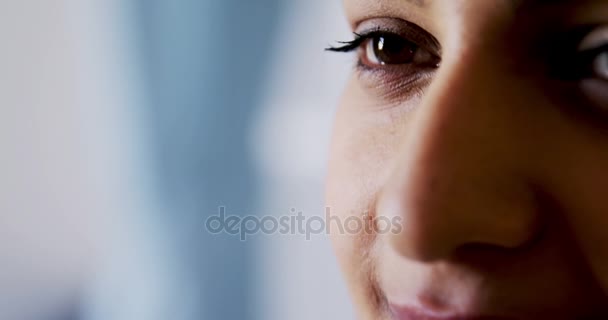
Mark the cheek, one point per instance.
(365, 141)
(585, 203)
(363, 146)
(360, 156)
(354, 170)
(583, 192)
(575, 169)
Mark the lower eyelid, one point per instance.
(596, 91)
(390, 83)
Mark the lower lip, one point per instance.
(408, 313)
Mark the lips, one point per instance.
(419, 313)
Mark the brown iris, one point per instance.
(389, 49)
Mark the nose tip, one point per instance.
(435, 225)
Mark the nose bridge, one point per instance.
(466, 111)
(460, 177)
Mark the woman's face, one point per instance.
(476, 133)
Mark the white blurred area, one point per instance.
(70, 162)
(300, 279)
(76, 205)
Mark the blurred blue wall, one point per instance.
(203, 63)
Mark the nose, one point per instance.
(463, 176)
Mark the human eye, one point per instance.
(592, 61)
(393, 55)
(381, 48)
(582, 61)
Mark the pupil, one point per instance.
(393, 50)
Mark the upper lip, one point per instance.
(400, 312)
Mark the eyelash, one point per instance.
(360, 38)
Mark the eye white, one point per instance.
(600, 66)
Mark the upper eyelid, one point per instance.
(597, 36)
(361, 37)
(594, 51)
(406, 29)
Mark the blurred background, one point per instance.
(125, 124)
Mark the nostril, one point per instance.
(491, 258)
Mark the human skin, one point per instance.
(495, 163)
